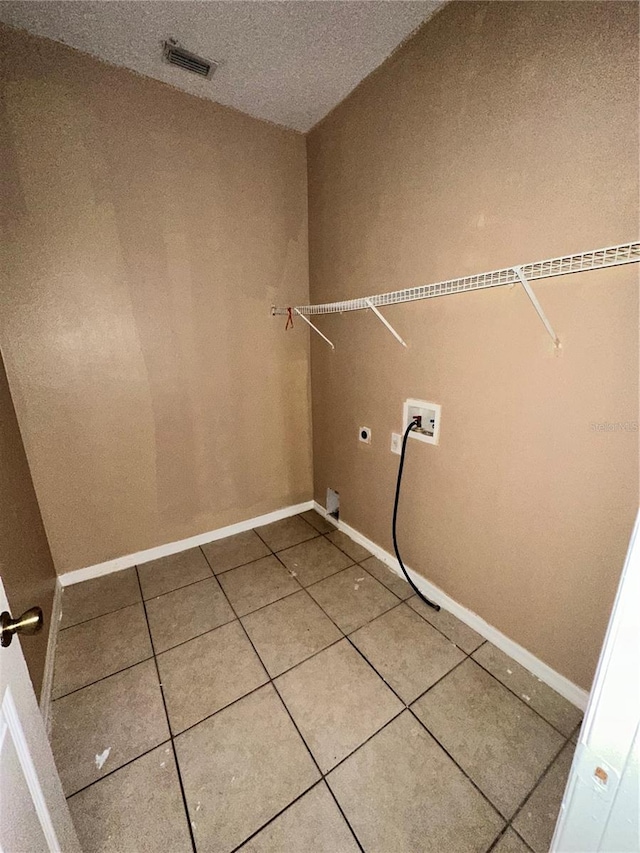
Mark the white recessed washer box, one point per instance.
(430, 414)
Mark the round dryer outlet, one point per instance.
(364, 434)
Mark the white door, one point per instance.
(34, 817)
(601, 806)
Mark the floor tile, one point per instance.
(257, 584)
(100, 647)
(498, 741)
(184, 613)
(346, 544)
(234, 551)
(352, 598)
(337, 702)
(510, 843)
(401, 792)
(536, 820)
(89, 599)
(207, 673)
(551, 705)
(388, 577)
(138, 808)
(314, 560)
(287, 532)
(289, 631)
(122, 716)
(169, 573)
(462, 635)
(240, 768)
(318, 521)
(313, 824)
(406, 651)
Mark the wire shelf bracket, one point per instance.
(524, 274)
(315, 328)
(384, 321)
(534, 301)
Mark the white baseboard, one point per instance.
(46, 688)
(126, 562)
(574, 694)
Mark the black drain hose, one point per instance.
(395, 515)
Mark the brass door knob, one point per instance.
(29, 623)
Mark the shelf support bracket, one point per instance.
(539, 310)
(384, 321)
(308, 322)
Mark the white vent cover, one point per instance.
(176, 55)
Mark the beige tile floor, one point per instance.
(282, 691)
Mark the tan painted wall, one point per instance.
(145, 234)
(502, 133)
(26, 567)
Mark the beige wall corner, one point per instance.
(502, 133)
(145, 235)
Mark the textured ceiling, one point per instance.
(288, 62)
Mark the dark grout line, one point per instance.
(462, 770)
(166, 713)
(308, 539)
(233, 568)
(296, 665)
(334, 527)
(365, 742)
(339, 571)
(346, 819)
(269, 603)
(276, 554)
(297, 544)
(501, 835)
(276, 816)
(525, 703)
(184, 796)
(195, 637)
(442, 677)
(358, 562)
(394, 576)
(498, 838)
(344, 816)
(119, 767)
(103, 678)
(517, 834)
(93, 618)
(538, 782)
(178, 588)
(375, 618)
(435, 627)
(313, 758)
(176, 735)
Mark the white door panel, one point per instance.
(34, 816)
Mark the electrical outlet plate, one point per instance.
(364, 435)
(430, 413)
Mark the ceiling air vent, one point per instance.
(176, 55)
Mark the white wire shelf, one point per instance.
(625, 253)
